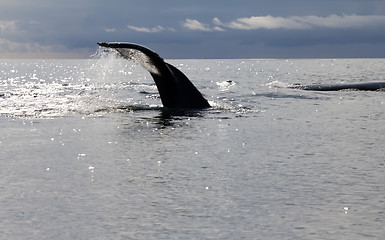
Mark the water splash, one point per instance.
(59, 88)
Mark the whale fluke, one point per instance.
(371, 86)
(175, 89)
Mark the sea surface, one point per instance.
(88, 152)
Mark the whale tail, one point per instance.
(175, 89)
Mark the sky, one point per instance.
(195, 29)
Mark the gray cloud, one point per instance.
(307, 22)
(291, 23)
(146, 29)
(193, 24)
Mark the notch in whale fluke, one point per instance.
(175, 89)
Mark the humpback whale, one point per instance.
(175, 89)
(371, 86)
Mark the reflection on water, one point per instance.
(170, 117)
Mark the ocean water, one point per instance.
(88, 152)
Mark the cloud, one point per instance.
(12, 46)
(344, 21)
(7, 26)
(289, 23)
(110, 30)
(146, 30)
(216, 21)
(32, 39)
(267, 22)
(304, 22)
(45, 26)
(195, 25)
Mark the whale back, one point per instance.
(175, 89)
(370, 86)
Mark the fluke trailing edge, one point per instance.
(175, 89)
